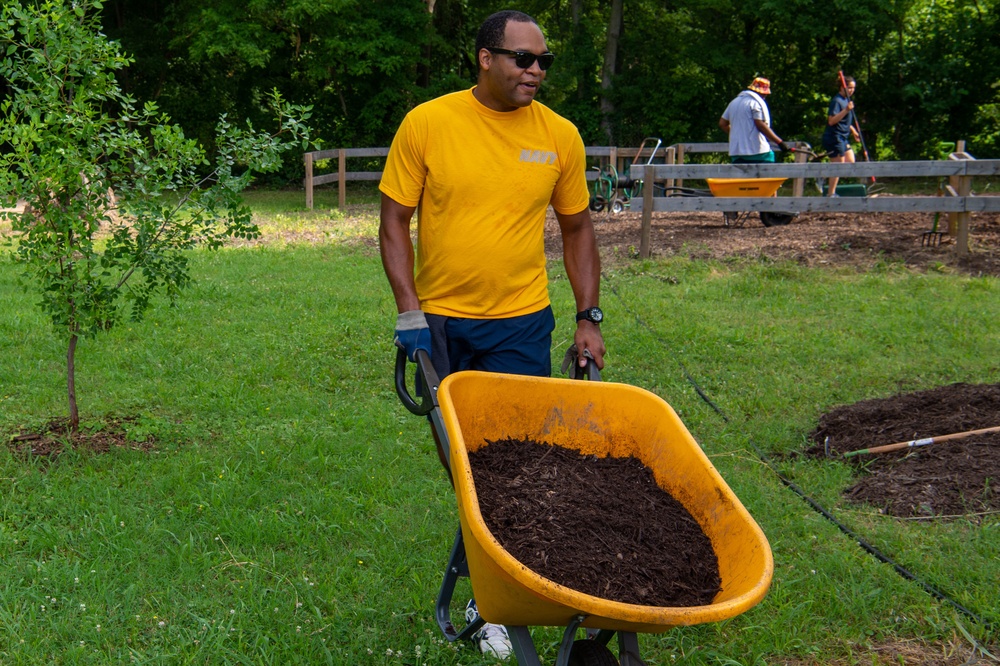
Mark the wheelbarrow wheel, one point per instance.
(588, 652)
(617, 206)
(772, 219)
(597, 204)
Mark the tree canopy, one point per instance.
(927, 70)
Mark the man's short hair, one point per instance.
(491, 32)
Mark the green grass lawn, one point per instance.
(292, 511)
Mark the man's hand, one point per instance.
(787, 146)
(412, 333)
(588, 338)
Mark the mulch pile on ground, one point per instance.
(951, 478)
(600, 526)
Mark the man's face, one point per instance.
(849, 88)
(503, 86)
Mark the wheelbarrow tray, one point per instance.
(744, 187)
(594, 418)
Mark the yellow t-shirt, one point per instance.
(482, 181)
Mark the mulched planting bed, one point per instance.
(47, 443)
(950, 478)
(600, 526)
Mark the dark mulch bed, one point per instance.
(47, 443)
(950, 478)
(597, 525)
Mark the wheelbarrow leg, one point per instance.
(524, 647)
(527, 654)
(628, 649)
(569, 637)
(458, 567)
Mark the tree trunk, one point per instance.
(74, 414)
(609, 68)
(424, 66)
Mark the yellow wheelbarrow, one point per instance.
(594, 418)
(740, 187)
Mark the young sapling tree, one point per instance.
(115, 194)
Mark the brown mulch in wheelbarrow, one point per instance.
(600, 526)
(946, 479)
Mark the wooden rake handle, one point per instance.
(922, 442)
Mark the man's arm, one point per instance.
(724, 125)
(583, 267)
(767, 131)
(396, 249)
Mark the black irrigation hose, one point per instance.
(869, 548)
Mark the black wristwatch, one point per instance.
(594, 314)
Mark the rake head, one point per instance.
(931, 238)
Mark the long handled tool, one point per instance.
(922, 442)
(857, 125)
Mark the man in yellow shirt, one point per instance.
(480, 168)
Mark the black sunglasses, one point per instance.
(525, 59)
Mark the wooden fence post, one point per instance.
(308, 159)
(342, 177)
(671, 156)
(798, 185)
(680, 160)
(647, 212)
(962, 232)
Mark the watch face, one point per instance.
(595, 315)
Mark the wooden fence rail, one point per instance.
(959, 169)
(342, 175)
(604, 154)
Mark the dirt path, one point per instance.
(813, 239)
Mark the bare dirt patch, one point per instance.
(812, 239)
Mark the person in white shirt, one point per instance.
(747, 121)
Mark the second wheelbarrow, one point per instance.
(471, 408)
(740, 187)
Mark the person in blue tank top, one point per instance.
(840, 130)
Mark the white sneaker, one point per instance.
(492, 639)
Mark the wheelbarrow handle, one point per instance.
(427, 380)
(590, 370)
(570, 365)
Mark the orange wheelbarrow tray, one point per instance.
(744, 187)
(595, 418)
(739, 187)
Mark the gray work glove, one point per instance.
(412, 333)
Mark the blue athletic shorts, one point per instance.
(515, 345)
(836, 145)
